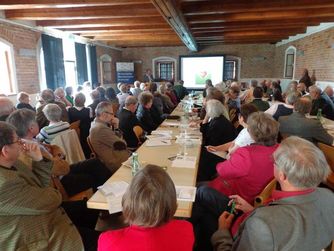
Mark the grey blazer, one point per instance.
(310, 129)
(302, 222)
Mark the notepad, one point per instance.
(162, 132)
(185, 193)
(158, 142)
(184, 162)
(117, 188)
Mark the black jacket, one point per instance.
(145, 119)
(127, 120)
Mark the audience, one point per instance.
(53, 114)
(128, 120)
(301, 87)
(7, 107)
(23, 100)
(208, 83)
(144, 112)
(168, 105)
(102, 92)
(122, 95)
(110, 148)
(330, 93)
(246, 173)
(247, 96)
(95, 97)
(60, 96)
(318, 102)
(170, 92)
(48, 97)
(31, 216)
(157, 109)
(216, 130)
(257, 101)
(298, 125)
(149, 205)
(306, 79)
(293, 215)
(136, 89)
(111, 95)
(69, 94)
(180, 90)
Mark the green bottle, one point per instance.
(319, 114)
(135, 164)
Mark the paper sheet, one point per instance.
(185, 193)
(116, 189)
(157, 142)
(171, 123)
(184, 162)
(114, 204)
(162, 132)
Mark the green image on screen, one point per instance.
(201, 77)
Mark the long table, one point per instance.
(158, 155)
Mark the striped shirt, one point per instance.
(48, 133)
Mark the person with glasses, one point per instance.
(30, 213)
(110, 148)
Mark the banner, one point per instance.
(125, 72)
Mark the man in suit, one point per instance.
(294, 215)
(110, 148)
(30, 213)
(128, 120)
(297, 124)
(319, 102)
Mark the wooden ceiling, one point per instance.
(194, 23)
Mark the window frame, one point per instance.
(291, 50)
(10, 61)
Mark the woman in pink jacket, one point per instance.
(148, 207)
(246, 173)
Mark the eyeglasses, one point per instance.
(19, 141)
(110, 113)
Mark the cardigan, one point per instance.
(175, 235)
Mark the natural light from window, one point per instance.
(7, 71)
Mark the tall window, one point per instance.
(70, 62)
(7, 85)
(230, 70)
(166, 70)
(289, 67)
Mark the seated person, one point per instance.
(318, 102)
(168, 105)
(122, 95)
(246, 173)
(301, 87)
(298, 125)
(7, 107)
(243, 138)
(136, 89)
(110, 148)
(180, 90)
(128, 120)
(144, 112)
(171, 93)
(53, 114)
(61, 97)
(48, 97)
(85, 115)
(23, 100)
(216, 130)
(157, 109)
(31, 216)
(257, 101)
(233, 103)
(330, 93)
(95, 96)
(279, 109)
(69, 94)
(150, 228)
(293, 215)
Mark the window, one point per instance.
(105, 69)
(166, 70)
(70, 62)
(230, 70)
(289, 67)
(8, 85)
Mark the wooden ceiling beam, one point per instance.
(108, 22)
(134, 33)
(259, 37)
(145, 44)
(169, 37)
(232, 6)
(262, 16)
(152, 27)
(37, 4)
(239, 40)
(170, 10)
(135, 10)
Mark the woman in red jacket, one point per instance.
(148, 207)
(246, 173)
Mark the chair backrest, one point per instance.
(76, 126)
(138, 132)
(265, 194)
(93, 153)
(69, 142)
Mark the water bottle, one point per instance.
(319, 115)
(135, 164)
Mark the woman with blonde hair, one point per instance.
(149, 205)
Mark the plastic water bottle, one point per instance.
(135, 164)
(319, 115)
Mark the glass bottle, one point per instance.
(135, 164)
(319, 114)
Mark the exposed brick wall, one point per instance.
(256, 60)
(26, 66)
(116, 56)
(314, 52)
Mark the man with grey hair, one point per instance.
(122, 95)
(319, 103)
(280, 109)
(294, 215)
(128, 120)
(53, 114)
(110, 148)
(48, 97)
(7, 107)
(297, 124)
(136, 89)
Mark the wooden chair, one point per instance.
(76, 126)
(115, 107)
(329, 154)
(265, 194)
(93, 153)
(138, 132)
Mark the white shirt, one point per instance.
(244, 138)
